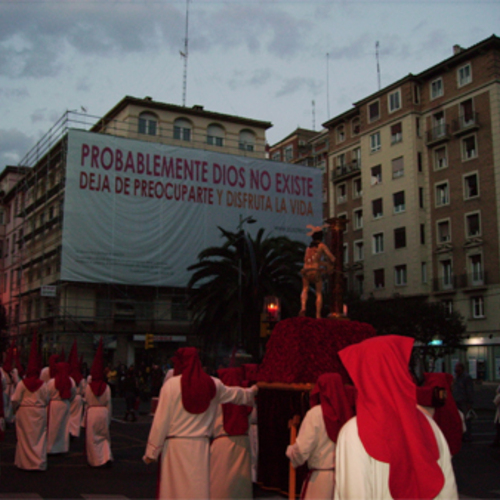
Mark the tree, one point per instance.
(229, 283)
(436, 331)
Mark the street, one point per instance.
(68, 476)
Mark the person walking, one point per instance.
(98, 415)
(131, 393)
(463, 394)
(391, 449)
(62, 391)
(76, 407)
(30, 400)
(316, 441)
(183, 424)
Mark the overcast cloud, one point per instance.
(261, 59)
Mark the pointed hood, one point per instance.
(63, 381)
(32, 380)
(17, 361)
(74, 364)
(53, 360)
(98, 385)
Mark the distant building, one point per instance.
(31, 236)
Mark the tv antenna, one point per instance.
(327, 86)
(184, 54)
(377, 45)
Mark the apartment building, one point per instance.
(415, 168)
(31, 234)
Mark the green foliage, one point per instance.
(229, 283)
(414, 317)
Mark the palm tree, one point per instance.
(229, 283)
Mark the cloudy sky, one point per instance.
(262, 59)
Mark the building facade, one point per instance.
(33, 201)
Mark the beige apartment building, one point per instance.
(415, 168)
(31, 233)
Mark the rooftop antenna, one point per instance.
(184, 54)
(314, 113)
(327, 86)
(378, 64)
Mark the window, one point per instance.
(246, 140)
(394, 101)
(373, 111)
(378, 243)
(437, 89)
(340, 134)
(182, 129)
(148, 123)
(469, 149)
(422, 234)
(439, 125)
(376, 174)
(357, 188)
(442, 194)
(358, 218)
(341, 193)
(477, 306)
(443, 231)
(345, 253)
(379, 278)
(398, 167)
(471, 186)
(448, 306)
(416, 94)
(447, 273)
(476, 269)
(473, 224)
(358, 251)
(355, 126)
(375, 142)
(340, 160)
(344, 216)
(466, 113)
(377, 208)
(215, 135)
(276, 156)
(423, 272)
(440, 158)
(396, 133)
(288, 153)
(400, 237)
(421, 197)
(356, 158)
(464, 75)
(399, 202)
(400, 275)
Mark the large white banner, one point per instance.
(140, 213)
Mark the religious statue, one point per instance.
(318, 262)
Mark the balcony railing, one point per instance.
(438, 133)
(347, 169)
(466, 124)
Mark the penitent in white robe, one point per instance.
(369, 478)
(230, 463)
(31, 427)
(182, 439)
(76, 409)
(97, 421)
(58, 419)
(253, 435)
(314, 446)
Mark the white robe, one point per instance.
(31, 427)
(369, 478)
(182, 438)
(230, 463)
(58, 419)
(9, 384)
(76, 409)
(45, 374)
(253, 435)
(98, 419)
(314, 446)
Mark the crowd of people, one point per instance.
(397, 428)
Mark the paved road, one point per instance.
(477, 466)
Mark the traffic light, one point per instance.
(149, 342)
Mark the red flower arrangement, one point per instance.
(301, 349)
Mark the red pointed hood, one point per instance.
(74, 364)
(32, 380)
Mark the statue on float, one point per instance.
(318, 262)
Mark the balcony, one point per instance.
(346, 170)
(464, 125)
(473, 280)
(439, 133)
(446, 284)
